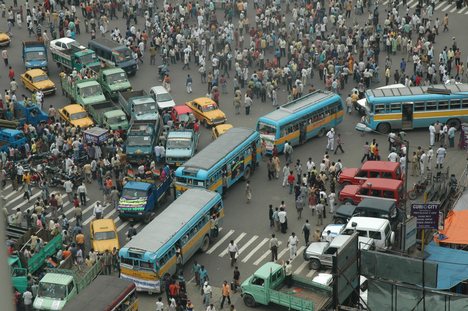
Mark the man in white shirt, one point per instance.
(393, 156)
(423, 162)
(233, 251)
(282, 220)
(68, 185)
(441, 153)
(292, 244)
(159, 304)
(27, 299)
(431, 135)
(331, 139)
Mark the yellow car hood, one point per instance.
(83, 123)
(42, 85)
(215, 114)
(101, 246)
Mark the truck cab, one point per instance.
(115, 119)
(141, 139)
(139, 105)
(11, 138)
(89, 92)
(181, 145)
(19, 274)
(54, 291)
(35, 55)
(113, 81)
(26, 112)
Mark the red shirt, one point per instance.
(291, 179)
(11, 73)
(196, 127)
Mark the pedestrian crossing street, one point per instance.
(441, 6)
(15, 200)
(254, 251)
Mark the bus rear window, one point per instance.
(266, 129)
(145, 265)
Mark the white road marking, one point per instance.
(252, 252)
(26, 202)
(236, 241)
(244, 247)
(301, 267)
(440, 5)
(311, 273)
(224, 238)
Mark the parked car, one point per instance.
(76, 115)
(207, 111)
(37, 79)
(389, 189)
(219, 130)
(371, 169)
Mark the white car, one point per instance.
(162, 97)
(65, 43)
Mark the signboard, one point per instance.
(427, 215)
(410, 234)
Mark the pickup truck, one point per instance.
(60, 285)
(142, 136)
(181, 145)
(113, 81)
(269, 285)
(140, 199)
(24, 112)
(21, 267)
(11, 138)
(75, 58)
(35, 55)
(82, 91)
(108, 115)
(139, 105)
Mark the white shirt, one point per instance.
(331, 135)
(232, 248)
(282, 216)
(393, 157)
(159, 306)
(27, 298)
(292, 241)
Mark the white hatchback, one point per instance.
(162, 97)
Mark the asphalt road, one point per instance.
(246, 223)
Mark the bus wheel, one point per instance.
(205, 244)
(249, 301)
(322, 132)
(147, 218)
(384, 128)
(454, 122)
(246, 173)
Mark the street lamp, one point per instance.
(361, 127)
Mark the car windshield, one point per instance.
(50, 290)
(209, 107)
(122, 55)
(37, 55)
(266, 129)
(139, 141)
(79, 115)
(107, 235)
(114, 120)
(178, 143)
(133, 193)
(88, 59)
(144, 108)
(163, 97)
(91, 90)
(118, 77)
(40, 78)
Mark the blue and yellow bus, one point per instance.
(408, 108)
(232, 156)
(184, 225)
(301, 119)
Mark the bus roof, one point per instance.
(312, 99)
(407, 93)
(218, 149)
(115, 289)
(166, 225)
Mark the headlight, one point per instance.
(140, 213)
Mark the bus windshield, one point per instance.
(266, 129)
(51, 290)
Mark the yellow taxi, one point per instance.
(4, 39)
(206, 111)
(76, 115)
(219, 130)
(37, 79)
(103, 235)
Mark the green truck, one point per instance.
(61, 285)
(20, 266)
(108, 115)
(75, 58)
(113, 81)
(82, 91)
(269, 285)
(139, 105)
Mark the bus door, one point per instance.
(302, 133)
(407, 116)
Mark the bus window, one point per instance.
(127, 261)
(465, 104)
(455, 104)
(379, 108)
(419, 106)
(395, 107)
(431, 106)
(443, 105)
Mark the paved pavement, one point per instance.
(247, 224)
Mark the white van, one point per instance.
(378, 229)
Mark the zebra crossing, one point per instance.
(15, 200)
(442, 6)
(254, 251)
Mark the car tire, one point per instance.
(249, 301)
(314, 264)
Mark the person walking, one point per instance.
(236, 279)
(283, 220)
(248, 191)
(107, 262)
(339, 144)
(276, 221)
(270, 215)
(319, 208)
(247, 103)
(288, 273)
(291, 181)
(226, 293)
(441, 153)
(233, 252)
(68, 185)
(82, 192)
(188, 84)
(432, 131)
(451, 136)
(331, 139)
(159, 305)
(274, 248)
(207, 293)
(306, 232)
(98, 209)
(271, 169)
(292, 244)
(285, 173)
(300, 201)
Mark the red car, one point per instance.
(182, 113)
(371, 169)
(390, 189)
